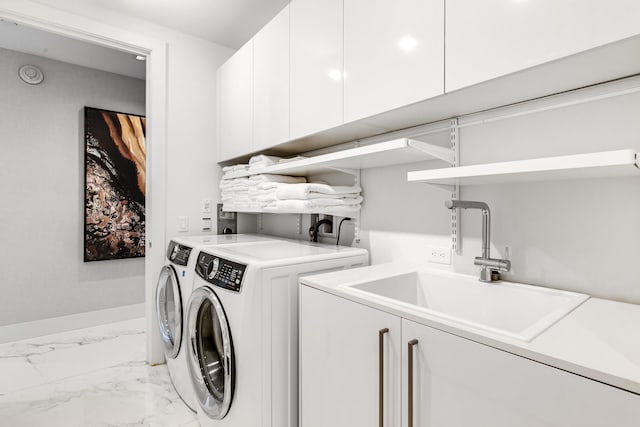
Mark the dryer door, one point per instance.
(211, 358)
(169, 310)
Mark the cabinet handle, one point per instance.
(410, 346)
(381, 334)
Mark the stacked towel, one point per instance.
(317, 191)
(262, 161)
(263, 187)
(234, 168)
(341, 200)
(235, 193)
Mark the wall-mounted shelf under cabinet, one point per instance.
(336, 211)
(591, 165)
(388, 153)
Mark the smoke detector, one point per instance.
(31, 74)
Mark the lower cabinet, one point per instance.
(340, 344)
(433, 378)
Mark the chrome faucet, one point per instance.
(490, 266)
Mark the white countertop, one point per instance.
(598, 340)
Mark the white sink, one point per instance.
(510, 309)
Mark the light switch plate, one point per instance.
(183, 223)
(206, 206)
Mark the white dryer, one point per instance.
(242, 324)
(175, 284)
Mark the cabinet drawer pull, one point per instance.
(381, 334)
(410, 345)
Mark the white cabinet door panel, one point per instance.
(236, 104)
(489, 38)
(393, 54)
(271, 83)
(316, 66)
(339, 362)
(460, 383)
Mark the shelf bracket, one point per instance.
(299, 223)
(260, 221)
(454, 142)
(442, 153)
(356, 226)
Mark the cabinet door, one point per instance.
(460, 383)
(490, 38)
(393, 54)
(236, 104)
(316, 66)
(339, 363)
(271, 83)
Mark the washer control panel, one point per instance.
(220, 272)
(178, 254)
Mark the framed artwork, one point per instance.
(114, 161)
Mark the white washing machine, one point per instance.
(175, 284)
(242, 327)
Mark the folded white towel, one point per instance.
(262, 161)
(266, 177)
(265, 199)
(234, 183)
(302, 191)
(255, 190)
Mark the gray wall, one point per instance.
(41, 186)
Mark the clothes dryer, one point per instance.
(172, 293)
(242, 327)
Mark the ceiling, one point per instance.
(230, 23)
(35, 42)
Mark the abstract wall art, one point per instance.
(115, 154)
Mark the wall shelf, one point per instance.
(388, 153)
(591, 165)
(336, 211)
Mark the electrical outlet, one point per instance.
(327, 230)
(439, 255)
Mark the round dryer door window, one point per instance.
(169, 310)
(211, 358)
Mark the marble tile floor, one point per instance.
(89, 377)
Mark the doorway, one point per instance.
(103, 36)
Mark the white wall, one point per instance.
(579, 235)
(192, 172)
(42, 190)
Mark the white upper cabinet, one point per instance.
(393, 54)
(490, 38)
(271, 83)
(236, 104)
(316, 66)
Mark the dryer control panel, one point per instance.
(178, 254)
(220, 272)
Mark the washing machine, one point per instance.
(242, 324)
(172, 293)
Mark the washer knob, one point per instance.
(174, 252)
(212, 268)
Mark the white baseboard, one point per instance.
(22, 331)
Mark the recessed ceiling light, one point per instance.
(141, 57)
